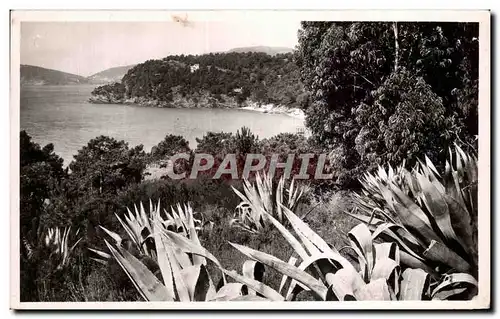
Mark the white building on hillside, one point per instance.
(194, 67)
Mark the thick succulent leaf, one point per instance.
(415, 284)
(302, 228)
(343, 283)
(319, 265)
(279, 198)
(254, 270)
(292, 293)
(181, 287)
(183, 258)
(292, 240)
(441, 253)
(190, 277)
(230, 291)
(361, 242)
(249, 298)
(402, 236)
(372, 222)
(144, 218)
(453, 282)
(446, 294)
(199, 283)
(185, 245)
(412, 262)
(163, 256)
(113, 235)
(411, 214)
(284, 268)
(100, 253)
(431, 166)
(197, 260)
(387, 250)
(292, 261)
(130, 232)
(374, 290)
(402, 240)
(258, 286)
(145, 281)
(438, 207)
(205, 288)
(389, 270)
(462, 224)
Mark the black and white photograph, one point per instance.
(229, 159)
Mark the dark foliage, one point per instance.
(383, 92)
(215, 77)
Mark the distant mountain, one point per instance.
(264, 49)
(109, 75)
(35, 75)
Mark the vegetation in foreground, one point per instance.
(405, 96)
(408, 245)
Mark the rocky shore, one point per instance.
(201, 101)
(275, 109)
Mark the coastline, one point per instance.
(185, 103)
(275, 109)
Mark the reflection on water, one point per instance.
(61, 115)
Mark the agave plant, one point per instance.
(433, 218)
(139, 229)
(260, 198)
(376, 274)
(322, 270)
(182, 264)
(57, 240)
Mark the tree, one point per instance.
(246, 142)
(41, 170)
(351, 69)
(89, 196)
(106, 165)
(404, 117)
(171, 145)
(261, 78)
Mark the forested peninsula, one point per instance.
(215, 80)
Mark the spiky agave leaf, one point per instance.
(258, 202)
(147, 284)
(58, 240)
(255, 285)
(291, 271)
(455, 284)
(415, 285)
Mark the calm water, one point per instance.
(62, 116)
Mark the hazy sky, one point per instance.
(86, 48)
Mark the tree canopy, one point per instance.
(382, 92)
(258, 77)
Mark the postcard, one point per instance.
(250, 159)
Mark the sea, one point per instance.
(62, 115)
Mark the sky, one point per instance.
(85, 48)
